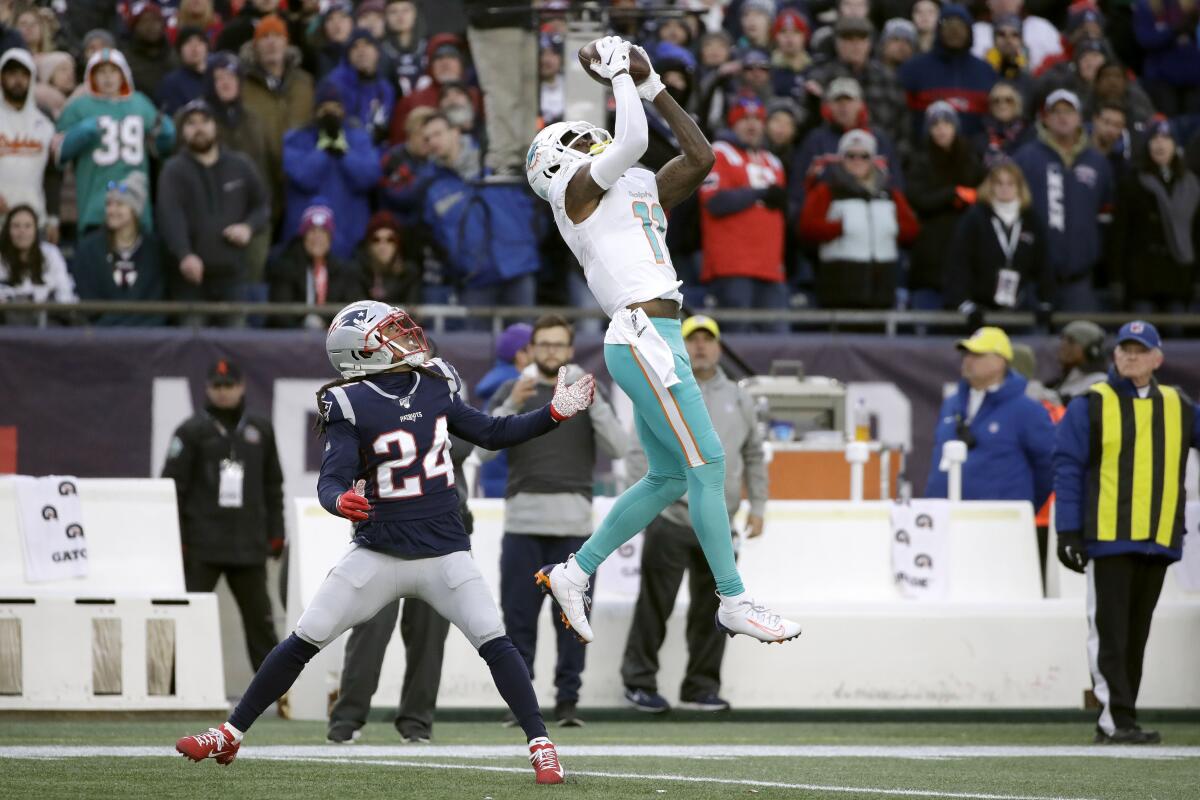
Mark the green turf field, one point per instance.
(692, 757)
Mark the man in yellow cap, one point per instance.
(1009, 437)
(670, 547)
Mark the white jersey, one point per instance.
(622, 246)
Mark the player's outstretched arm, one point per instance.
(684, 173)
(630, 139)
(496, 433)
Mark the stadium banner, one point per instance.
(98, 402)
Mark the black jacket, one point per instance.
(933, 180)
(1139, 255)
(397, 289)
(196, 203)
(216, 535)
(975, 257)
(288, 279)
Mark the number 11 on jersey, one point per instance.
(653, 217)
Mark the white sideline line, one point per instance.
(1149, 753)
(810, 787)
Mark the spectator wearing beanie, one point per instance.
(897, 43)
(332, 36)
(336, 159)
(942, 179)
(381, 262)
(790, 60)
(185, 83)
(1156, 228)
(949, 72)
(119, 261)
(309, 272)
(756, 18)
(367, 94)
(277, 91)
(211, 202)
(244, 27)
(859, 225)
(149, 54)
(743, 204)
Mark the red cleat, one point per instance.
(219, 743)
(544, 759)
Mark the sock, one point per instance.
(710, 520)
(512, 680)
(278, 672)
(634, 510)
(234, 732)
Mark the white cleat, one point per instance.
(743, 615)
(570, 596)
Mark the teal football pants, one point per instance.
(684, 455)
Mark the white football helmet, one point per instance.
(368, 337)
(555, 145)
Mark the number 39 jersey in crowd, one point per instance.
(622, 246)
(393, 431)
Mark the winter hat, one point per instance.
(143, 9)
(187, 33)
(1010, 22)
(1158, 125)
(368, 6)
(954, 10)
(336, 6)
(105, 38)
(857, 139)
(745, 106)
(197, 106)
(762, 6)
(382, 220)
(898, 28)
(514, 338)
(848, 27)
(755, 57)
(227, 61)
(941, 110)
(789, 19)
(359, 35)
(317, 215)
(270, 25)
(328, 91)
(786, 105)
(551, 40)
(131, 191)
(1081, 13)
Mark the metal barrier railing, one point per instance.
(436, 317)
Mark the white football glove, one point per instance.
(613, 55)
(570, 400)
(652, 85)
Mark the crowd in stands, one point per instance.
(871, 154)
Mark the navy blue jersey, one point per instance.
(392, 431)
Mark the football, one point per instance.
(639, 67)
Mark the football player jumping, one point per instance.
(613, 217)
(387, 468)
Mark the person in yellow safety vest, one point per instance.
(1119, 468)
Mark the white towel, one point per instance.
(634, 328)
(920, 547)
(51, 527)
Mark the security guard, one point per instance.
(230, 492)
(1119, 471)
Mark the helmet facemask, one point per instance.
(398, 333)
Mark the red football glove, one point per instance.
(353, 506)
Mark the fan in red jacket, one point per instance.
(860, 225)
(743, 212)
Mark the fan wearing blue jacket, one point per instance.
(333, 159)
(1072, 188)
(1009, 436)
(1120, 467)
